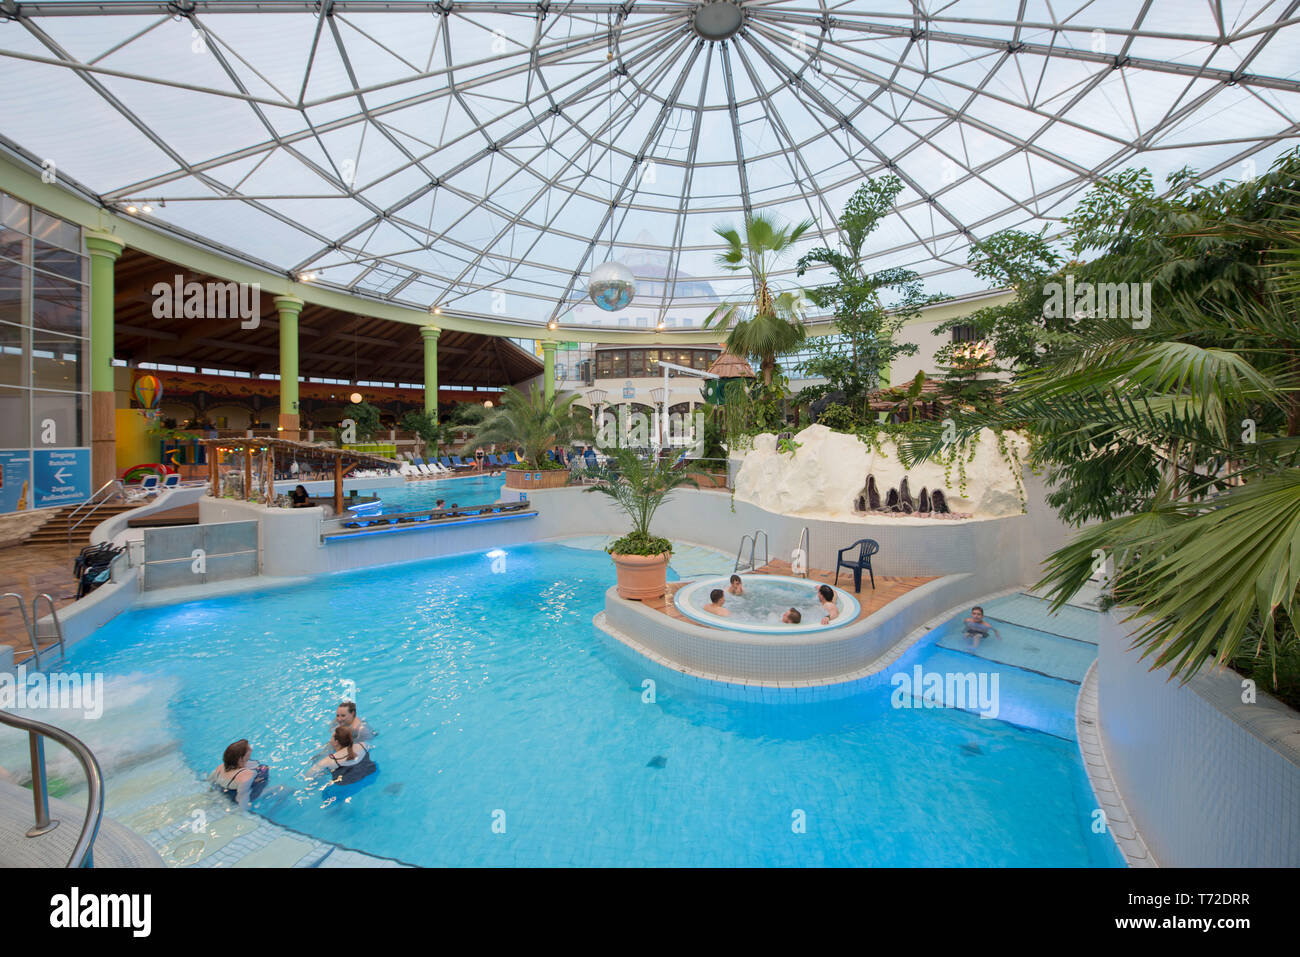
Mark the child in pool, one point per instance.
(977, 629)
(735, 586)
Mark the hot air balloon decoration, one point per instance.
(148, 392)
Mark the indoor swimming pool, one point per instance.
(512, 732)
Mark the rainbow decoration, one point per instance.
(148, 391)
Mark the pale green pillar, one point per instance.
(430, 336)
(548, 359)
(104, 249)
(288, 309)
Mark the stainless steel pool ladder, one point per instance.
(37, 732)
(32, 624)
(742, 566)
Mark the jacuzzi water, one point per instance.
(498, 701)
(412, 496)
(766, 598)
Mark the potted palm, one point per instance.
(639, 487)
(534, 423)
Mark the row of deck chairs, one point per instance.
(451, 464)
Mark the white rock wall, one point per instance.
(829, 469)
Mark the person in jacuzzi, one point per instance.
(717, 598)
(826, 595)
(791, 617)
(735, 586)
(349, 761)
(238, 777)
(977, 629)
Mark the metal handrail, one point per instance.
(27, 622)
(739, 551)
(767, 558)
(94, 506)
(803, 546)
(36, 625)
(37, 731)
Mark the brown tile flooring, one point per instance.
(31, 570)
(887, 589)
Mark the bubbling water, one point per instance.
(764, 602)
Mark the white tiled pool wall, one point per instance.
(779, 660)
(1209, 781)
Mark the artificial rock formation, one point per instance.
(824, 476)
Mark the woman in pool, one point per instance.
(349, 762)
(826, 595)
(345, 716)
(237, 777)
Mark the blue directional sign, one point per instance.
(60, 476)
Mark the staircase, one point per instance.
(55, 531)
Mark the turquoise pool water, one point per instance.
(410, 496)
(498, 702)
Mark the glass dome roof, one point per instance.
(485, 155)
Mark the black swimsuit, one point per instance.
(261, 774)
(351, 773)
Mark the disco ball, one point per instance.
(611, 286)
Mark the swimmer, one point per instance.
(791, 617)
(345, 716)
(238, 777)
(826, 595)
(977, 628)
(348, 762)
(735, 586)
(717, 598)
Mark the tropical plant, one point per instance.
(639, 486)
(1179, 427)
(534, 423)
(838, 417)
(767, 324)
(853, 360)
(366, 417)
(426, 428)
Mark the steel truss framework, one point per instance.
(482, 155)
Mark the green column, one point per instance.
(430, 336)
(104, 249)
(288, 309)
(548, 358)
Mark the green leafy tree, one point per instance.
(639, 486)
(534, 423)
(768, 323)
(426, 428)
(1018, 332)
(1178, 428)
(863, 347)
(366, 417)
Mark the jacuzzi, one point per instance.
(766, 598)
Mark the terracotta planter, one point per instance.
(642, 576)
(529, 479)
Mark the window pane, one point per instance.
(14, 433)
(636, 363)
(13, 214)
(57, 362)
(56, 305)
(13, 244)
(56, 260)
(11, 292)
(618, 363)
(652, 362)
(602, 365)
(55, 232)
(13, 369)
(56, 419)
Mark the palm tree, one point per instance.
(534, 423)
(1182, 436)
(767, 324)
(639, 486)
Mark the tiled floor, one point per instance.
(871, 600)
(32, 570)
